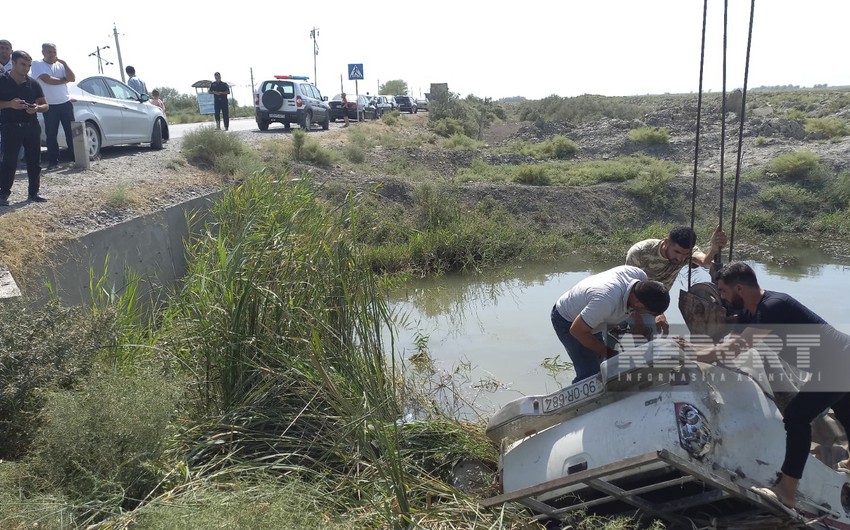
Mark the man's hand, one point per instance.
(661, 325)
(718, 239)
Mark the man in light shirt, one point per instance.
(134, 82)
(582, 314)
(54, 74)
(5, 56)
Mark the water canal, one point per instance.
(490, 334)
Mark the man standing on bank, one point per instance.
(54, 74)
(220, 90)
(582, 314)
(20, 98)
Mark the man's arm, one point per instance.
(718, 241)
(70, 77)
(584, 334)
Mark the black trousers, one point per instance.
(803, 408)
(16, 135)
(220, 107)
(61, 114)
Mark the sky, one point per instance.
(532, 49)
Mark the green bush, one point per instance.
(795, 114)
(461, 142)
(790, 199)
(796, 165)
(761, 221)
(651, 185)
(649, 135)
(97, 444)
(760, 141)
(306, 149)
(827, 127)
(446, 127)
(582, 109)
(533, 175)
(205, 144)
(559, 147)
(391, 118)
(355, 153)
(840, 190)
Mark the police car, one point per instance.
(289, 99)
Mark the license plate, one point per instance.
(567, 397)
(277, 116)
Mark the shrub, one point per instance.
(761, 221)
(355, 153)
(461, 142)
(97, 444)
(434, 206)
(204, 145)
(760, 141)
(559, 147)
(306, 149)
(533, 175)
(789, 198)
(796, 165)
(446, 127)
(649, 135)
(827, 127)
(840, 189)
(651, 185)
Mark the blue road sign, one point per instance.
(355, 71)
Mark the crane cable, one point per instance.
(741, 116)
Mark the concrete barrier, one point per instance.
(152, 246)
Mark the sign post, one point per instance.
(355, 73)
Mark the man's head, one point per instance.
(217, 76)
(5, 51)
(679, 244)
(21, 63)
(48, 51)
(737, 283)
(130, 71)
(155, 93)
(651, 297)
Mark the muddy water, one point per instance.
(490, 338)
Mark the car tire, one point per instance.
(272, 99)
(263, 125)
(93, 139)
(156, 135)
(306, 121)
(287, 126)
(326, 124)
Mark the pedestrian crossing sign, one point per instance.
(355, 71)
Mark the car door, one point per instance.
(106, 112)
(137, 124)
(320, 111)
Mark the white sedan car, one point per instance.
(114, 114)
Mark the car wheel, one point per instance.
(326, 124)
(156, 136)
(306, 121)
(93, 140)
(287, 126)
(263, 125)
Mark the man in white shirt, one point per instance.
(54, 74)
(583, 313)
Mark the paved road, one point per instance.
(177, 130)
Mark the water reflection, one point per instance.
(493, 330)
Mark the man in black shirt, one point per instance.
(220, 90)
(20, 98)
(802, 336)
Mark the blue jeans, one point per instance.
(586, 362)
(56, 114)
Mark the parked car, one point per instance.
(382, 105)
(289, 99)
(359, 108)
(422, 104)
(406, 104)
(113, 114)
(391, 100)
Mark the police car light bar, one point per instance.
(299, 77)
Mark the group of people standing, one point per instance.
(28, 87)
(638, 293)
(22, 96)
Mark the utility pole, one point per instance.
(313, 34)
(118, 49)
(100, 60)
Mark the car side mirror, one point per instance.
(324, 98)
(144, 97)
